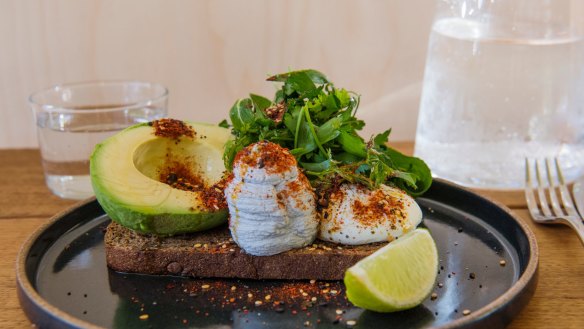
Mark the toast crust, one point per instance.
(213, 254)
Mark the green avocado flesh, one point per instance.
(126, 174)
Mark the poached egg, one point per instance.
(272, 206)
(356, 215)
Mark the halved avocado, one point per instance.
(130, 173)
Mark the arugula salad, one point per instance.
(317, 122)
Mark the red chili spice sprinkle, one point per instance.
(379, 206)
(293, 295)
(274, 158)
(179, 172)
(171, 128)
(180, 175)
(214, 196)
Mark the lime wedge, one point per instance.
(396, 277)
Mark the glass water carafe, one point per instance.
(504, 80)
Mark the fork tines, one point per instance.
(547, 185)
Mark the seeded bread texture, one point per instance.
(212, 254)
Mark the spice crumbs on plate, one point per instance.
(433, 296)
(502, 262)
(466, 312)
(299, 297)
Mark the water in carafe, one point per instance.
(489, 101)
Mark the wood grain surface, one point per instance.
(25, 203)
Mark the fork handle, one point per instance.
(578, 226)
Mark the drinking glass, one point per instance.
(72, 118)
(504, 80)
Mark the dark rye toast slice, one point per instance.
(213, 254)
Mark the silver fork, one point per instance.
(560, 210)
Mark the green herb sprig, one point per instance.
(317, 123)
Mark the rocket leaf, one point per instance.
(320, 129)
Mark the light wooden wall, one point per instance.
(209, 53)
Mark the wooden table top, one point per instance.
(26, 203)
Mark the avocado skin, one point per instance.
(148, 220)
(165, 224)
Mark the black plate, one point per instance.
(63, 281)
